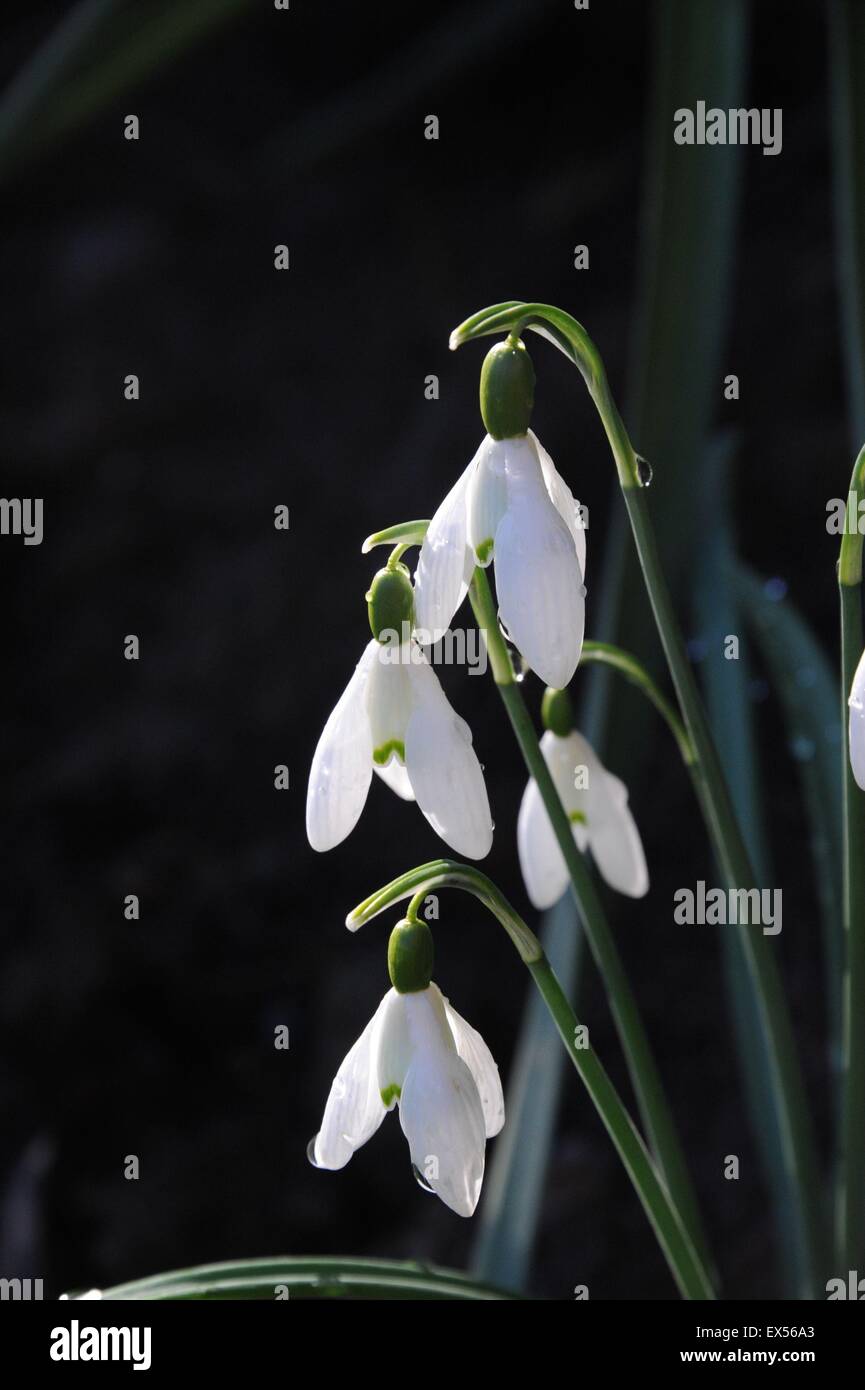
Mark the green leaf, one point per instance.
(304, 1277)
(847, 57)
(803, 681)
(100, 50)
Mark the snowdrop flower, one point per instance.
(417, 1052)
(857, 724)
(394, 718)
(597, 804)
(510, 505)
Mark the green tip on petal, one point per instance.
(507, 390)
(390, 1094)
(393, 748)
(410, 957)
(557, 712)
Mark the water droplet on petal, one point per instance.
(644, 472)
(421, 1180)
(310, 1152)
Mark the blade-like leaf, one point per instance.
(803, 681)
(302, 1277)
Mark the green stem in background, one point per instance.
(846, 53)
(658, 1203)
(794, 1121)
(850, 1194)
(651, 1098)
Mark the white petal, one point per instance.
(443, 768)
(342, 764)
(612, 832)
(439, 578)
(615, 842)
(567, 758)
(396, 777)
(479, 1060)
(440, 1111)
(393, 1052)
(543, 866)
(487, 498)
(388, 701)
(857, 724)
(538, 579)
(354, 1107)
(563, 500)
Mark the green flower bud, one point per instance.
(410, 957)
(507, 389)
(390, 604)
(557, 712)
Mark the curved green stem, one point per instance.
(648, 1088)
(447, 873)
(661, 1209)
(605, 654)
(794, 1121)
(850, 1190)
(405, 533)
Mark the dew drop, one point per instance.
(421, 1180)
(644, 472)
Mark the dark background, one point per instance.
(306, 388)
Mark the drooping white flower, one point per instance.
(857, 723)
(417, 1051)
(511, 506)
(394, 718)
(597, 804)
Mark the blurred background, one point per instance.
(306, 388)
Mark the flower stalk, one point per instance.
(788, 1090)
(651, 1098)
(686, 1265)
